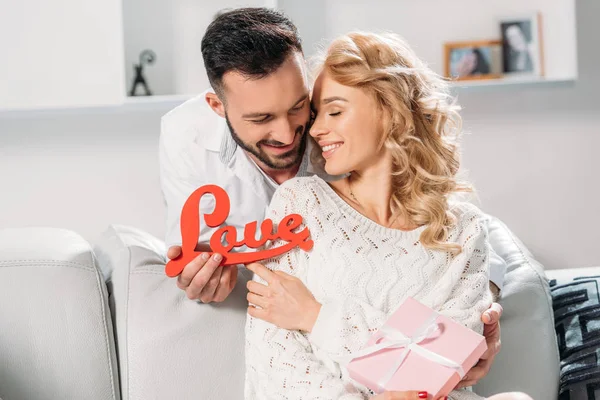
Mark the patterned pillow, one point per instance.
(576, 304)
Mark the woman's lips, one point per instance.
(331, 148)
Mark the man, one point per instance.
(249, 136)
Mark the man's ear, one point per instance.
(216, 104)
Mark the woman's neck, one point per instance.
(370, 192)
(371, 189)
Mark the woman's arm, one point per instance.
(287, 303)
(469, 295)
(280, 363)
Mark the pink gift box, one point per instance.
(451, 343)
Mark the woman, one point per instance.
(386, 231)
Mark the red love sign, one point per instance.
(190, 231)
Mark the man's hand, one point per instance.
(491, 331)
(203, 279)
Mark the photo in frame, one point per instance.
(522, 45)
(473, 60)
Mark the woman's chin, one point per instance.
(335, 170)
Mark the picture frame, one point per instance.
(473, 60)
(522, 45)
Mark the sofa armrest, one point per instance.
(56, 340)
(528, 360)
(170, 347)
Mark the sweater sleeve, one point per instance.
(351, 320)
(469, 272)
(470, 296)
(280, 363)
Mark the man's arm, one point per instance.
(178, 183)
(202, 279)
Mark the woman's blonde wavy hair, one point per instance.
(421, 126)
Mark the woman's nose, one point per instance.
(318, 128)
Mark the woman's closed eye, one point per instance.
(335, 114)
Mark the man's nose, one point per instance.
(286, 131)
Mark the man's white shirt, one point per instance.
(196, 148)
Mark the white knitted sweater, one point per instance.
(360, 272)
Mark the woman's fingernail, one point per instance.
(217, 257)
(205, 256)
(423, 395)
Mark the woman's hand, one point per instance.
(284, 301)
(414, 395)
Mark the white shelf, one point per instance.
(510, 82)
(135, 103)
(175, 98)
(142, 103)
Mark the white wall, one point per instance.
(60, 53)
(532, 154)
(81, 171)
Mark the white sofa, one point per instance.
(104, 322)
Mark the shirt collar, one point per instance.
(228, 145)
(219, 139)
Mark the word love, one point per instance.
(190, 231)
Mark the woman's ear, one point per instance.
(216, 104)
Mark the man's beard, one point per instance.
(280, 162)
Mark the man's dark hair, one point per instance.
(252, 41)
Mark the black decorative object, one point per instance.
(576, 305)
(146, 57)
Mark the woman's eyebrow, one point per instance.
(332, 99)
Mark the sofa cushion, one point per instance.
(576, 299)
(56, 339)
(528, 360)
(169, 347)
